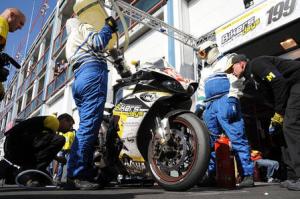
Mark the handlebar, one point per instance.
(6, 59)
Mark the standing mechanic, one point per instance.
(33, 144)
(221, 92)
(281, 78)
(11, 20)
(85, 52)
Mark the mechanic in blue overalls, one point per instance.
(219, 96)
(85, 49)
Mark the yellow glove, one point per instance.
(277, 119)
(2, 91)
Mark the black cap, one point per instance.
(235, 58)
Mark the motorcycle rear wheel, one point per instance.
(182, 168)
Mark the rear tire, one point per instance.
(181, 169)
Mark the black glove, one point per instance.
(111, 22)
(274, 129)
(119, 64)
(122, 70)
(199, 110)
(3, 74)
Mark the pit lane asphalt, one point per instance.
(261, 190)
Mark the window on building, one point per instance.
(26, 71)
(14, 89)
(19, 103)
(146, 5)
(48, 38)
(29, 96)
(41, 84)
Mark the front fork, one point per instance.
(162, 129)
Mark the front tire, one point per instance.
(187, 156)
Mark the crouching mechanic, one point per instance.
(33, 144)
(85, 50)
(222, 112)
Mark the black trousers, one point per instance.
(291, 129)
(32, 150)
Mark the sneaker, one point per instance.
(286, 183)
(273, 180)
(294, 186)
(247, 182)
(56, 181)
(82, 184)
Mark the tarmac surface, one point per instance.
(261, 190)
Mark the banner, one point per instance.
(260, 20)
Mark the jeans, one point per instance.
(60, 170)
(271, 166)
(89, 92)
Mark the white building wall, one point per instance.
(74, 112)
(75, 116)
(150, 46)
(56, 106)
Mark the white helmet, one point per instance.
(208, 51)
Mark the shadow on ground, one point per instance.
(18, 193)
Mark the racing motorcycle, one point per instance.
(150, 132)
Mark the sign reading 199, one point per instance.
(283, 8)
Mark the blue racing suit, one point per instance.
(89, 92)
(223, 114)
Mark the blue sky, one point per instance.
(17, 40)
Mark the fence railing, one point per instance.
(60, 40)
(57, 83)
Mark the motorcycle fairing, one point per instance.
(131, 112)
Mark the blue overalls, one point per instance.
(217, 120)
(89, 92)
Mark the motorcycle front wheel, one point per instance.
(182, 160)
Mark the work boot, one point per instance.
(207, 181)
(247, 182)
(82, 184)
(294, 186)
(286, 183)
